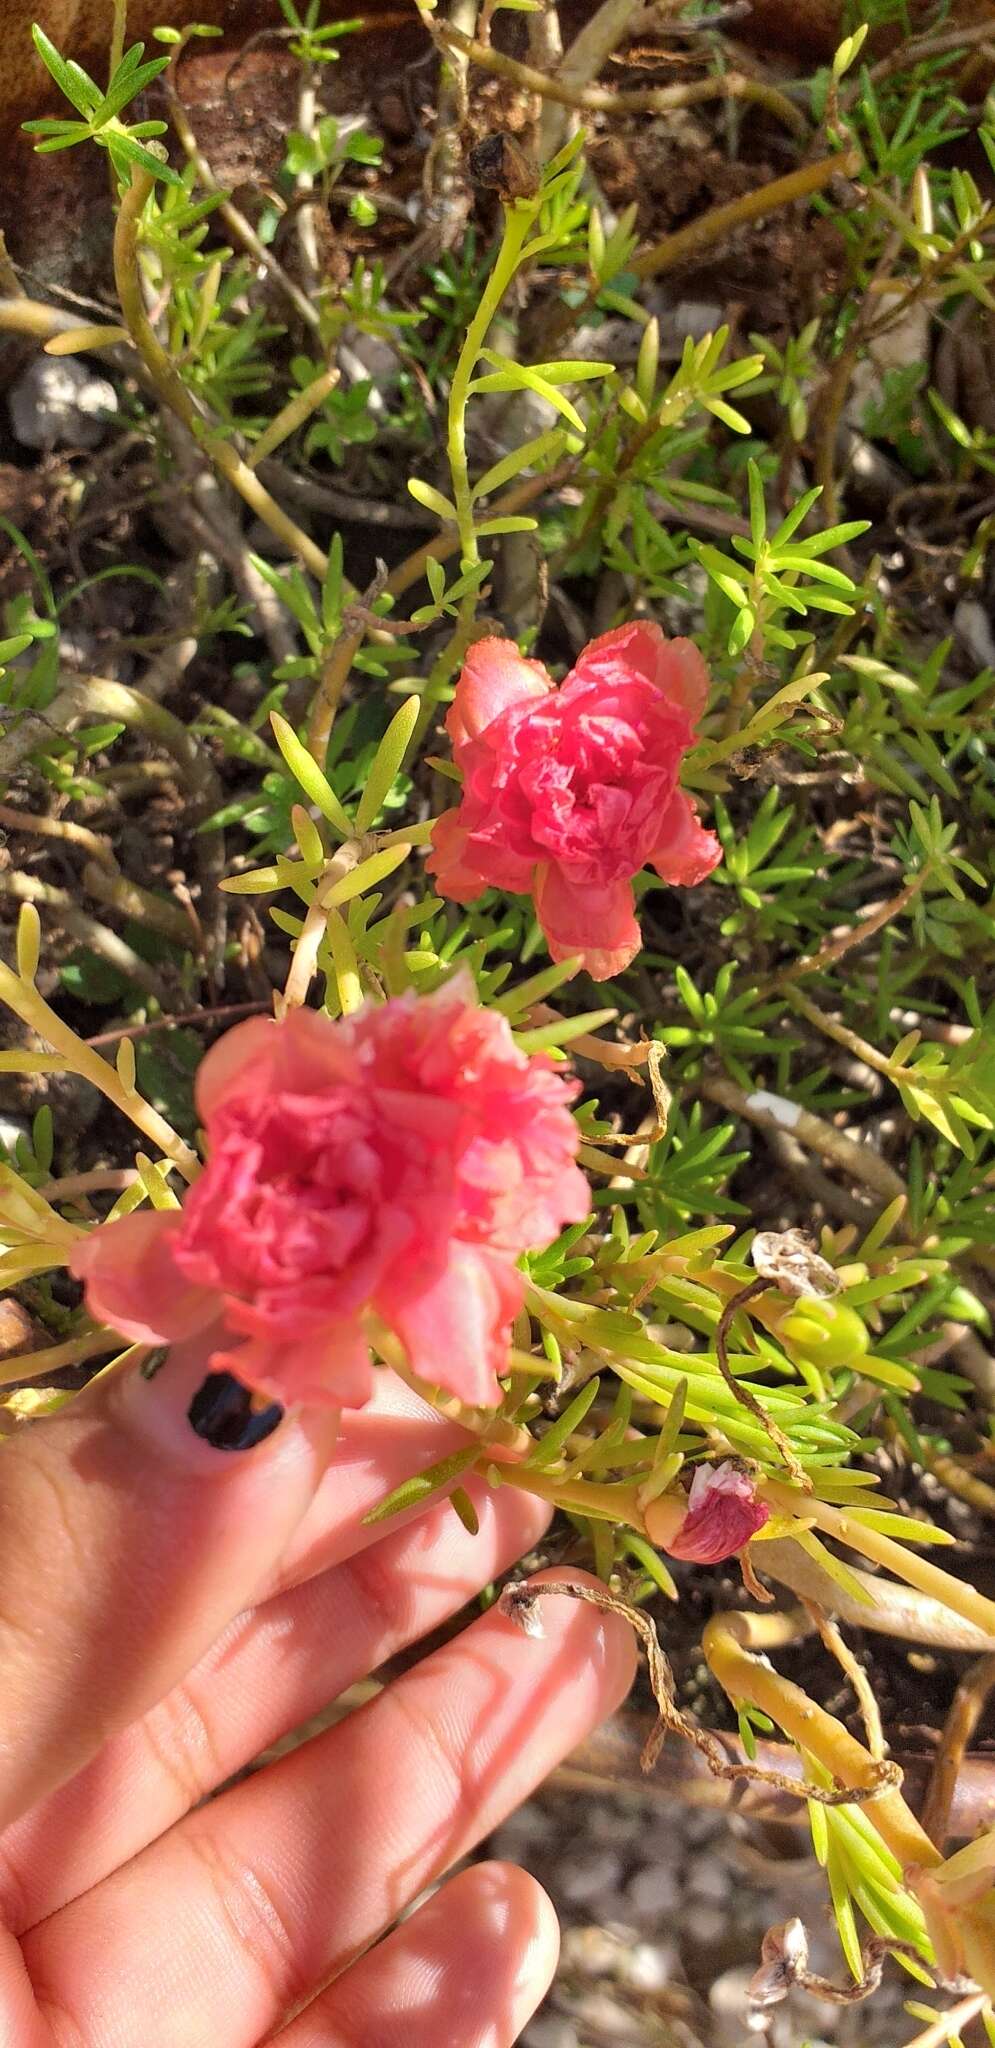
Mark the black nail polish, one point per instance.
(222, 1413)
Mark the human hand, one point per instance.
(167, 1611)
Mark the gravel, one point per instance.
(663, 1908)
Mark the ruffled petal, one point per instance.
(641, 648)
(301, 1056)
(494, 676)
(634, 649)
(455, 1329)
(686, 852)
(332, 1369)
(454, 875)
(134, 1284)
(599, 924)
(684, 678)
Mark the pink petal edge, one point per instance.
(687, 852)
(133, 1283)
(599, 924)
(493, 678)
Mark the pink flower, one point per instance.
(723, 1513)
(569, 792)
(396, 1162)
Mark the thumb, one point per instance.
(127, 1542)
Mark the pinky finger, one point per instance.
(466, 1971)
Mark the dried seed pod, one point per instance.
(502, 167)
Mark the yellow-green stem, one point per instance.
(898, 1558)
(173, 391)
(23, 998)
(733, 1645)
(612, 1503)
(118, 32)
(341, 656)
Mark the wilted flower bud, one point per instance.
(724, 1511)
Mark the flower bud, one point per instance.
(827, 1332)
(724, 1511)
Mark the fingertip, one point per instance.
(516, 1900)
(587, 1628)
(466, 1970)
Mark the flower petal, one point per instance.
(724, 1511)
(641, 648)
(133, 1282)
(684, 678)
(576, 917)
(303, 1054)
(686, 852)
(332, 1369)
(494, 676)
(454, 875)
(456, 1329)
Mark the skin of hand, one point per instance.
(167, 1611)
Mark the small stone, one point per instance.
(18, 1332)
(599, 2014)
(593, 1951)
(58, 402)
(524, 1832)
(549, 2032)
(705, 1925)
(709, 1879)
(702, 1826)
(649, 1966)
(973, 628)
(613, 1824)
(729, 1996)
(588, 1877)
(653, 1892)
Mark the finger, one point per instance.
(271, 1670)
(276, 1886)
(126, 1544)
(379, 1446)
(466, 1971)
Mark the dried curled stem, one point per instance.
(518, 1603)
(966, 1708)
(784, 1967)
(655, 99)
(850, 1665)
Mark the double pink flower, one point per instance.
(396, 1163)
(568, 792)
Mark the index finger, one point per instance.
(127, 1544)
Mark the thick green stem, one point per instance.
(734, 1646)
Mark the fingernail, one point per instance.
(222, 1412)
(190, 1413)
